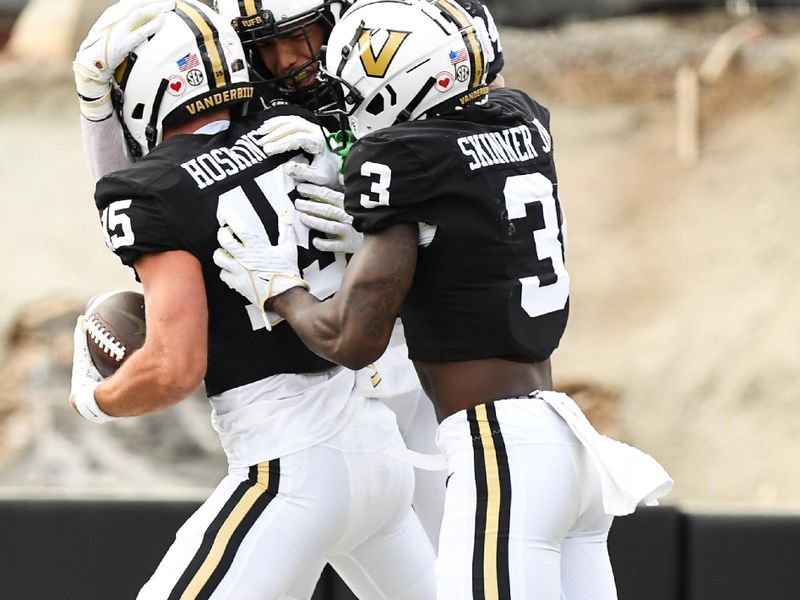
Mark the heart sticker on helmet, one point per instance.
(177, 85)
(444, 81)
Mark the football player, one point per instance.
(283, 40)
(455, 189)
(312, 477)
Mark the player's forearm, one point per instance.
(327, 328)
(104, 146)
(173, 360)
(353, 328)
(149, 382)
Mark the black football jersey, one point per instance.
(490, 279)
(170, 200)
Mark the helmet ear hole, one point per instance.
(138, 111)
(376, 105)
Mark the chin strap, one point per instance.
(151, 131)
(134, 148)
(405, 114)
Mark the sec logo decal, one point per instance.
(195, 77)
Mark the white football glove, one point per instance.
(255, 268)
(323, 170)
(85, 377)
(322, 209)
(118, 31)
(290, 132)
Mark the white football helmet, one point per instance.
(259, 21)
(390, 61)
(194, 64)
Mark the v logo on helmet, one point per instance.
(377, 65)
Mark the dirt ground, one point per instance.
(685, 278)
(684, 324)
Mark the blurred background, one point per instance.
(677, 138)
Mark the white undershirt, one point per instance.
(214, 127)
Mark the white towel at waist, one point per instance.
(628, 476)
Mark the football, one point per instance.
(115, 328)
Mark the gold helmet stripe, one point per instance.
(471, 40)
(123, 71)
(248, 8)
(211, 51)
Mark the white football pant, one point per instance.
(266, 532)
(524, 516)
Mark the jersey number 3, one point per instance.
(542, 294)
(549, 291)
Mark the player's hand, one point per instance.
(255, 268)
(85, 378)
(288, 133)
(83, 369)
(322, 209)
(322, 170)
(118, 31)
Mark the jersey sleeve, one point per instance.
(134, 223)
(386, 183)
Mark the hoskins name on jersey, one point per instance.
(220, 163)
(511, 145)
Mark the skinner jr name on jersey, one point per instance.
(511, 145)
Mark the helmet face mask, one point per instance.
(260, 23)
(390, 61)
(193, 65)
(307, 40)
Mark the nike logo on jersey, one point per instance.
(221, 163)
(512, 145)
